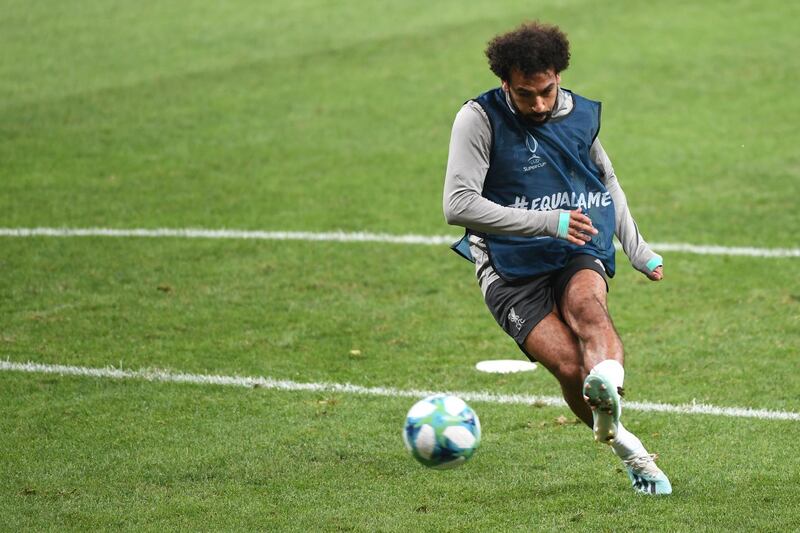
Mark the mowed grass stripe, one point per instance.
(156, 375)
(360, 236)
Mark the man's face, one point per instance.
(534, 95)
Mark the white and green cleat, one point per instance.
(646, 477)
(604, 399)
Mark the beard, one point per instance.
(531, 119)
(537, 118)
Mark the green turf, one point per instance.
(294, 310)
(321, 116)
(140, 455)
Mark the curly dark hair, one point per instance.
(533, 47)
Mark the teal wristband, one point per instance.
(654, 263)
(563, 225)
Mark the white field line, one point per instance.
(341, 236)
(347, 388)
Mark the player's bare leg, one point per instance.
(585, 312)
(556, 347)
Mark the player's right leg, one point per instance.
(527, 313)
(555, 346)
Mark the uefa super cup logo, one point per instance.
(533, 145)
(534, 161)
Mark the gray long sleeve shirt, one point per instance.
(464, 204)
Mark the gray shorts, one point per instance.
(519, 307)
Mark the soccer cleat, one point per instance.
(604, 399)
(646, 477)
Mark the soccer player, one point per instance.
(529, 180)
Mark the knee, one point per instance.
(585, 314)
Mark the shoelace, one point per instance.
(644, 464)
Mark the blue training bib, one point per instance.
(544, 167)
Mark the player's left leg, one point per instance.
(583, 304)
(584, 308)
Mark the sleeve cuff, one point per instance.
(563, 225)
(655, 262)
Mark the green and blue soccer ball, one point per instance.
(442, 431)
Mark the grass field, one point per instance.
(315, 116)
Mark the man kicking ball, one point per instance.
(529, 180)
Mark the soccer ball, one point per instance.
(442, 431)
